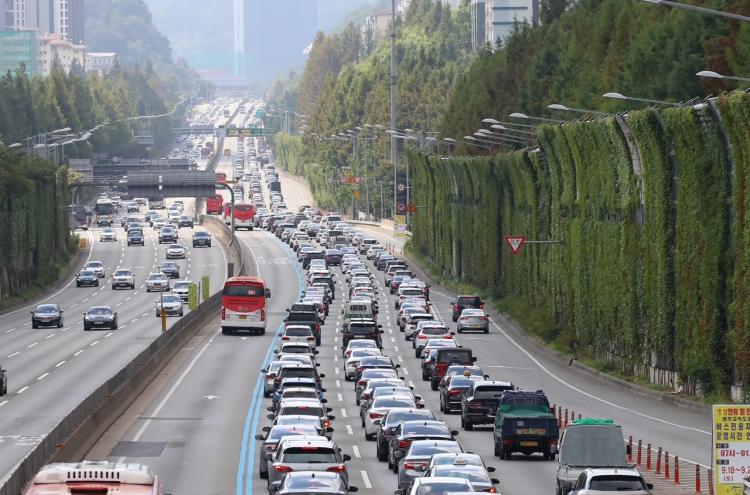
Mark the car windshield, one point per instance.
(100, 311)
(280, 431)
(319, 483)
(134, 233)
(181, 285)
(461, 381)
(616, 483)
(310, 455)
(440, 460)
(298, 332)
(175, 246)
(392, 402)
(200, 234)
(169, 264)
(87, 273)
(441, 488)
(425, 429)
(46, 308)
(473, 475)
(429, 448)
(157, 276)
(397, 417)
(107, 231)
(122, 273)
(170, 299)
(94, 264)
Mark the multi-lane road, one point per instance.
(196, 426)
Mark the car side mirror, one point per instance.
(317, 352)
(376, 422)
(330, 417)
(628, 450)
(380, 326)
(382, 331)
(453, 333)
(454, 432)
(267, 456)
(324, 401)
(353, 489)
(285, 319)
(495, 481)
(323, 390)
(266, 429)
(322, 375)
(473, 359)
(347, 457)
(568, 487)
(650, 486)
(260, 437)
(490, 469)
(269, 409)
(553, 449)
(264, 370)
(421, 469)
(84, 314)
(61, 311)
(328, 409)
(398, 454)
(420, 406)
(398, 366)
(329, 430)
(31, 312)
(275, 351)
(486, 377)
(398, 492)
(342, 311)
(269, 416)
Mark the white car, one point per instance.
(157, 281)
(175, 251)
(171, 303)
(379, 407)
(159, 223)
(412, 325)
(181, 288)
(96, 267)
(108, 235)
(299, 333)
(374, 249)
(123, 278)
(174, 217)
(355, 356)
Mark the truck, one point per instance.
(525, 423)
(275, 186)
(589, 443)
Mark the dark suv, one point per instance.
(447, 357)
(466, 302)
(308, 318)
(390, 422)
(312, 255)
(362, 329)
(479, 405)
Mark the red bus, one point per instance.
(243, 305)
(205, 152)
(221, 177)
(213, 205)
(244, 215)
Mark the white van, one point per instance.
(357, 310)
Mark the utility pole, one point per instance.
(393, 102)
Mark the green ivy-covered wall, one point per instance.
(672, 281)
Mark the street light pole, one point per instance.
(393, 102)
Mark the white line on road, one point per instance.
(395, 348)
(66, 328)
(349, 430)
(411, 384)
(110, 333)
(341, 398)
(356, 451)
(49, 336)
(343, 413)
(42, 376)
(32, 345)
(406, 372)
(93, 343)
(3, 403)
(336, 358)
(393, 339)
(338, 383)
(14, 354)
(22, 390)
(8, 331)
(336, 370)
(131, 321)
(77, 353)
(400, 359)
(366, 479)
(59, 364)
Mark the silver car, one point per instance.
(108, 234)
(96, 267)
(474, 320)
(306, 453)
(419, 454)
(311, 483)
(269, 382)
(157, 281)
(272, 438)
(181, 289)
(175, 251)
(171, 303)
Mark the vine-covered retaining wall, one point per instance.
(34, 221)
(671, 283)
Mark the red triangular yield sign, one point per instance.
(357, 178)
(515, 242)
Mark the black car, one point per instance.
(185, 221)
(201, 238)
(409, 431)
(47, 315)
(333, 257)
(454, 391)
(390, 422)
(463, 302)
(3, 381)
(136, 237)
(104, 221)
(479, 405)
(100, 317)
(87, 277)
(312, 255)
(170, 269)
(362, 329)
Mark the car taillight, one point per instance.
(453, 391)
(326, 423)
(374, 415)
(362, 382)
(402, 444)
(223, 314)
(262, 315)
(393, 284)
(440, 368)
(481, 306)
(553, 441)
(337, 469)
(490, 490)
(283, 469)
(413, 465)
(361, 368)
(422, 336)
(310, 338)
(278, 379)
(284, 338)
(482, 318)
(464, 318)
(447, 336)
(317, 327)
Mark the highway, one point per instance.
(196, 426)
(50, 370)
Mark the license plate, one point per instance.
(359, 336)
(474, 325)
(243, 317)
(530, 431)
(529, 444)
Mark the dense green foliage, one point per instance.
(33, 199)
(126, 27)
(33, 106)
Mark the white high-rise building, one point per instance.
(500, 15)
(64, 17)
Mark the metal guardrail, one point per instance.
(39, 455)
(372, 224)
